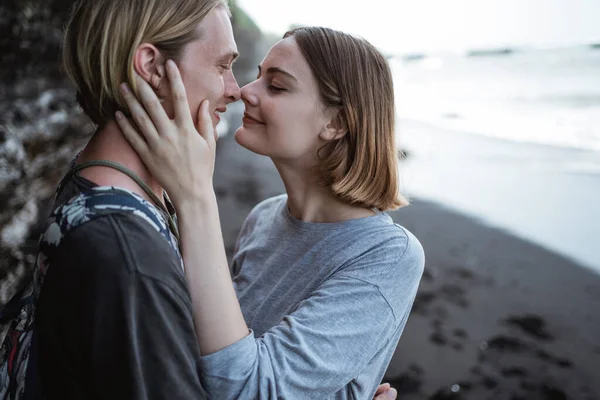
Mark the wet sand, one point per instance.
(496, 317)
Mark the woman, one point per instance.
(324, 279)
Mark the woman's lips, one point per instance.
(248, 119)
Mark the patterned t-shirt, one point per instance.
(107, 311)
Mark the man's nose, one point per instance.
(232, 89)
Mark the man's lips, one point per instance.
(218, 111)
(250, 119)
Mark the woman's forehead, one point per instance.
(286, 55)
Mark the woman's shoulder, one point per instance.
(270, 203)
(383, 234)
(412, 256)
(406, 243)
(267, 207)
(390, 252)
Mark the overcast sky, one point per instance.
(399, 26)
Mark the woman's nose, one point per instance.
(249, 95)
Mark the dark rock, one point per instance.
(438, 338)
(507, 344)
(460, 333)
(514, 372)
(406, 384)
(532, 325)
(447, 394)
(552, 393)
(422, 301)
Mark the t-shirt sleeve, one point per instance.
(323, 345)
(115, 309)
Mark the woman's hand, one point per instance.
(385, 392)
(183, 162)
(178, 154)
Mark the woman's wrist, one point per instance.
(204, 197)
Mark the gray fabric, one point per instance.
(326, 303)
(114, 318)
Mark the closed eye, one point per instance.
(275, 89)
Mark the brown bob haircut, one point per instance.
(354, 77)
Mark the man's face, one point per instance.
(206, 66)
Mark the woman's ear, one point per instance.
(335, 129)
(149, 64)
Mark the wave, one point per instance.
(413, 57)
(505, 51)
(564, 132)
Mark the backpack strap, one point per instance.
(132, 175)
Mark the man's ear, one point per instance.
(335, 129)
(149, 64)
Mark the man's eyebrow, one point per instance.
(277, 70)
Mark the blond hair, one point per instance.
(353, 77)
(102, 36)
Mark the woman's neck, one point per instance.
(309, 201)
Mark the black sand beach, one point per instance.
(496, 317)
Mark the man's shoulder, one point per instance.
(110, 232)
(96, 203)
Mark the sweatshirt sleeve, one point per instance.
(322, 346)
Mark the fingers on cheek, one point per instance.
(141, 121)
(123, 123)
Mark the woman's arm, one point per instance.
(172, 148)
(217, 314)
(344, 331)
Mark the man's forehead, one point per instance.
(218, 45)
(216, 34)
(216, 25)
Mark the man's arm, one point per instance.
(115, 313)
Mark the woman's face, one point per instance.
(284, 117)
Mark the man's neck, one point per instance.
(108, 143)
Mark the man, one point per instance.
(113, 317)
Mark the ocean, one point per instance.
(545, 96)
(509, 137)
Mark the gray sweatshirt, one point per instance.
(326, 304)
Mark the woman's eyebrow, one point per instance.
(277, 70)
